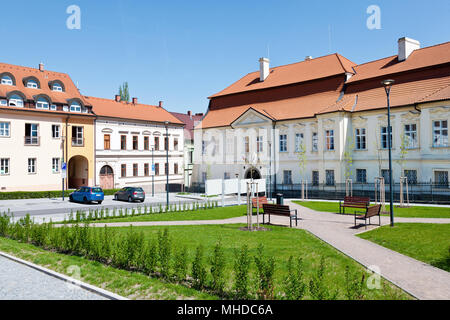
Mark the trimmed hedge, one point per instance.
(43, 194)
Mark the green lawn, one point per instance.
(201, 214)
(279, 242)
(412, 212)
(429, 243)
(128, 284)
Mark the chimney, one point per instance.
(406, 46)
(135, 100)
(189, 113)
(308, 58)
(117, 98)
(41, 66)
(160, 104)
(264, 64)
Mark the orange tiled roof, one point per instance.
(44, 77)
(303, 71)
(111, 108)
(421, 58)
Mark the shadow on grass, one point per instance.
(443, 263)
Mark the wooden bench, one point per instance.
(370, 212)
(278, 210)
(354, 202)
(261, 201)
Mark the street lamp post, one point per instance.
(166, 123)
(387, 86)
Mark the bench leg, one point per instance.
(379, 219)
(339, 207)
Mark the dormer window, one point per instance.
(6, 80)
(32, 84)
(42, 104)
(75, 107)
(15, 101)
(53, 107)
(57, 87)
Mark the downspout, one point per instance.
(95, 152)
(67, 153)
(274, 123)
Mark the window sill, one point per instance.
(440, 147)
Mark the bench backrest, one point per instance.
(277, 209)
(373, 211)
(356, 200)
(262, 200)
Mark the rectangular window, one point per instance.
(31, 165)
(384, 139)
(226, 175)
(166, 143)
(175, 168)
(123, 170)
(55, 165)
(440, 133)
(411, 136)
(166, 167)
(4, 166)
(247, 144)
(135, 170)
(315, 142)
(361, 175)
(191, 157)
(4, 129)
(385, 175)
(283, 143)
(135, 143)
(146, 170)
(411, 175)
(204, 177)
(56, 131)
(203, 147)
(157, 143)
(287, 177)
(77, 136)
(175, 144)
(107, 141)
(360, 137)
(329, 177)
(299, 147)
(53, 107)
(146, 143)
(441, 178)
(315, 178)
(329, 140)
(31, 134)
(259, 144)
(123, 142)
(156, 169)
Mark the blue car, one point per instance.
(88, 195)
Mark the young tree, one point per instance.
(303, 160)
(124, 92)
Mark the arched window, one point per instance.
(57, 87)
(15, 101)
(6, 80)
(32, 84)
(42, 103)
(75, 107)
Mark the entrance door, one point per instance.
(107, 178)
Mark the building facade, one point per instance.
(44, 122)
(324, 121)
(190, 121)
(130, 140)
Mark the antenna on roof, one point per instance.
(329, 38)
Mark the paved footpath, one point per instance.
(20, 282)
(417, 278)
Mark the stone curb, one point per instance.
(83, 285)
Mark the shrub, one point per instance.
(265, 267)
(199, 269)
(317, 287)
(354, 285)
(241, 270)
(164, 252)
(294, 286)
(181, 264)
(218, 268)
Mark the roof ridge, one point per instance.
(122, 102)
(31, 68)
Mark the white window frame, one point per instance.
(17, 102)
(315, 142)
(4, 166)
(5, 129)
(365, 175)
(42, 104)
(3, 102)
(329, 140)
(384, 138)
(55, 165)
(53, 107)
(57, 87)
(7, 82)
(57, 131)
(283, 143)
(411, 135)
(287, 175)
(440, 134)
(32, 165)
(360, 139)
(75, 107)
(259, 144)
(298, 141)
(32, 84)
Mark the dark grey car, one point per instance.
(130, 194)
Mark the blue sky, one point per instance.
(183, 51)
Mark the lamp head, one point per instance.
(388, 83)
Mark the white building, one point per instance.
(130, 139)
(324, 120)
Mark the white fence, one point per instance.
(231, 186)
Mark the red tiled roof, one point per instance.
(190, 122)
(111, 108)
(44, 77)
(303, 71)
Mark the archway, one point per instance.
(106, 177)
(253, 173)
(78, 172)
